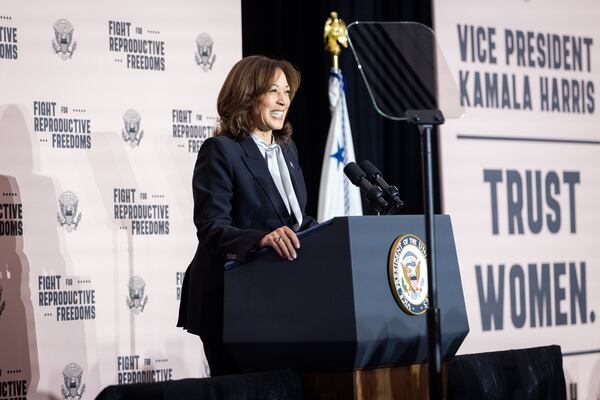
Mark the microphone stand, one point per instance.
(425, 120)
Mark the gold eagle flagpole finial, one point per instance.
(335, 34)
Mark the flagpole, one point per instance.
(337, 197)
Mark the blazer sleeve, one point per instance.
(213, 192)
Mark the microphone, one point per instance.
(358, 178)
(374, 175)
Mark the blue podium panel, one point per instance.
(332, 307)
(386, 335)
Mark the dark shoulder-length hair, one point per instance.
(250, 78)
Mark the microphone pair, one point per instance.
(385, 198)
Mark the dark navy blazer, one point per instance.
(236, 203)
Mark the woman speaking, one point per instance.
(249, 193)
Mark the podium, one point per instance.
(332, 309)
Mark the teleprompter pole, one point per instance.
(425, 120)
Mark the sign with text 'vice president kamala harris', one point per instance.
(521, 175)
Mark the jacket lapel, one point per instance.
(295, 176)
(257, 165)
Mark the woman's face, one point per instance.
(271, 108)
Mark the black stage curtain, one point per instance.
(284, 384)
(534, 373)
(293, 30)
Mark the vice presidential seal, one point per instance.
(131, 132)
(407, 272)
(68, 217)
(204, 54)
(136, 301)
(63, 43)
(72, 389)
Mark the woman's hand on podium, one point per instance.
(283, 240)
